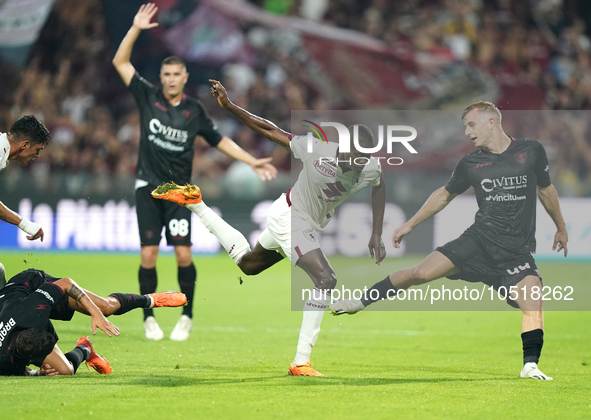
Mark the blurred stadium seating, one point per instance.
(278, 56)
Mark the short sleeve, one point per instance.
(459, 181)
(299, 146)
(542, 168)
(140, 88)
(378, 175)
(208, 130)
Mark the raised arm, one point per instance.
(257, 124)
(549, 199)
(141, 21)
(434, 204)
(76, 293)
(378, 205)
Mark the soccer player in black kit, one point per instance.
(507, 174)
(170, 122)
(32, 297)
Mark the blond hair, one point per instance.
(481, 106)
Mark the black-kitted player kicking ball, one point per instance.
(507, 174)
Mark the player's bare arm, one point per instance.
(434, 204)
(378, 205)
(262, 167)
(77, 294)
(255, 123)
(549, 199)
(33, 230)
(141, 21)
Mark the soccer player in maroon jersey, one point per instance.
(295, 218)
(507, 175)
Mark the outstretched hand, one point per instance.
(400, 233)
(144, 16)
(38, 235)
(265, 170)
(219, 92)
(560, 240)
(377, 249)
(102, 323)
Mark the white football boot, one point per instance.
(182, 329)
(346, 306)
(530, 370)
(152, 329)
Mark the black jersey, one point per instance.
(26, 301)
(168, 134)
(505, 188)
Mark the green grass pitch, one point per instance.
(409, 365)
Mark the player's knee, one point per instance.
(109, 306)
(249, 269)
(327, 280)
(420, 274)
(66, 370)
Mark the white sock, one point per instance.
(232, 240)
(314, 310)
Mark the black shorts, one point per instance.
(478, 265)
(26, 282)
(154, 214)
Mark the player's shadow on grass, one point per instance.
(170, 381)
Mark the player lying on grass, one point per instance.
(32, 298)
(507, 174)
(295, 217)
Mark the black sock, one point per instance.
(532, 345)
(77, 356)
(148, 283)
(187, 278)
(379, 291)
(130, 301)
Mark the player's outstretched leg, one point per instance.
(190, 196)
(381, 290)
(434, 266)
(121, 303)
(95, 361)
(169, 299)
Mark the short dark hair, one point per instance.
(30, 128)
(365, 135)
(35, 344)
(173, 59)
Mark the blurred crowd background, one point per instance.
(522, 54)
